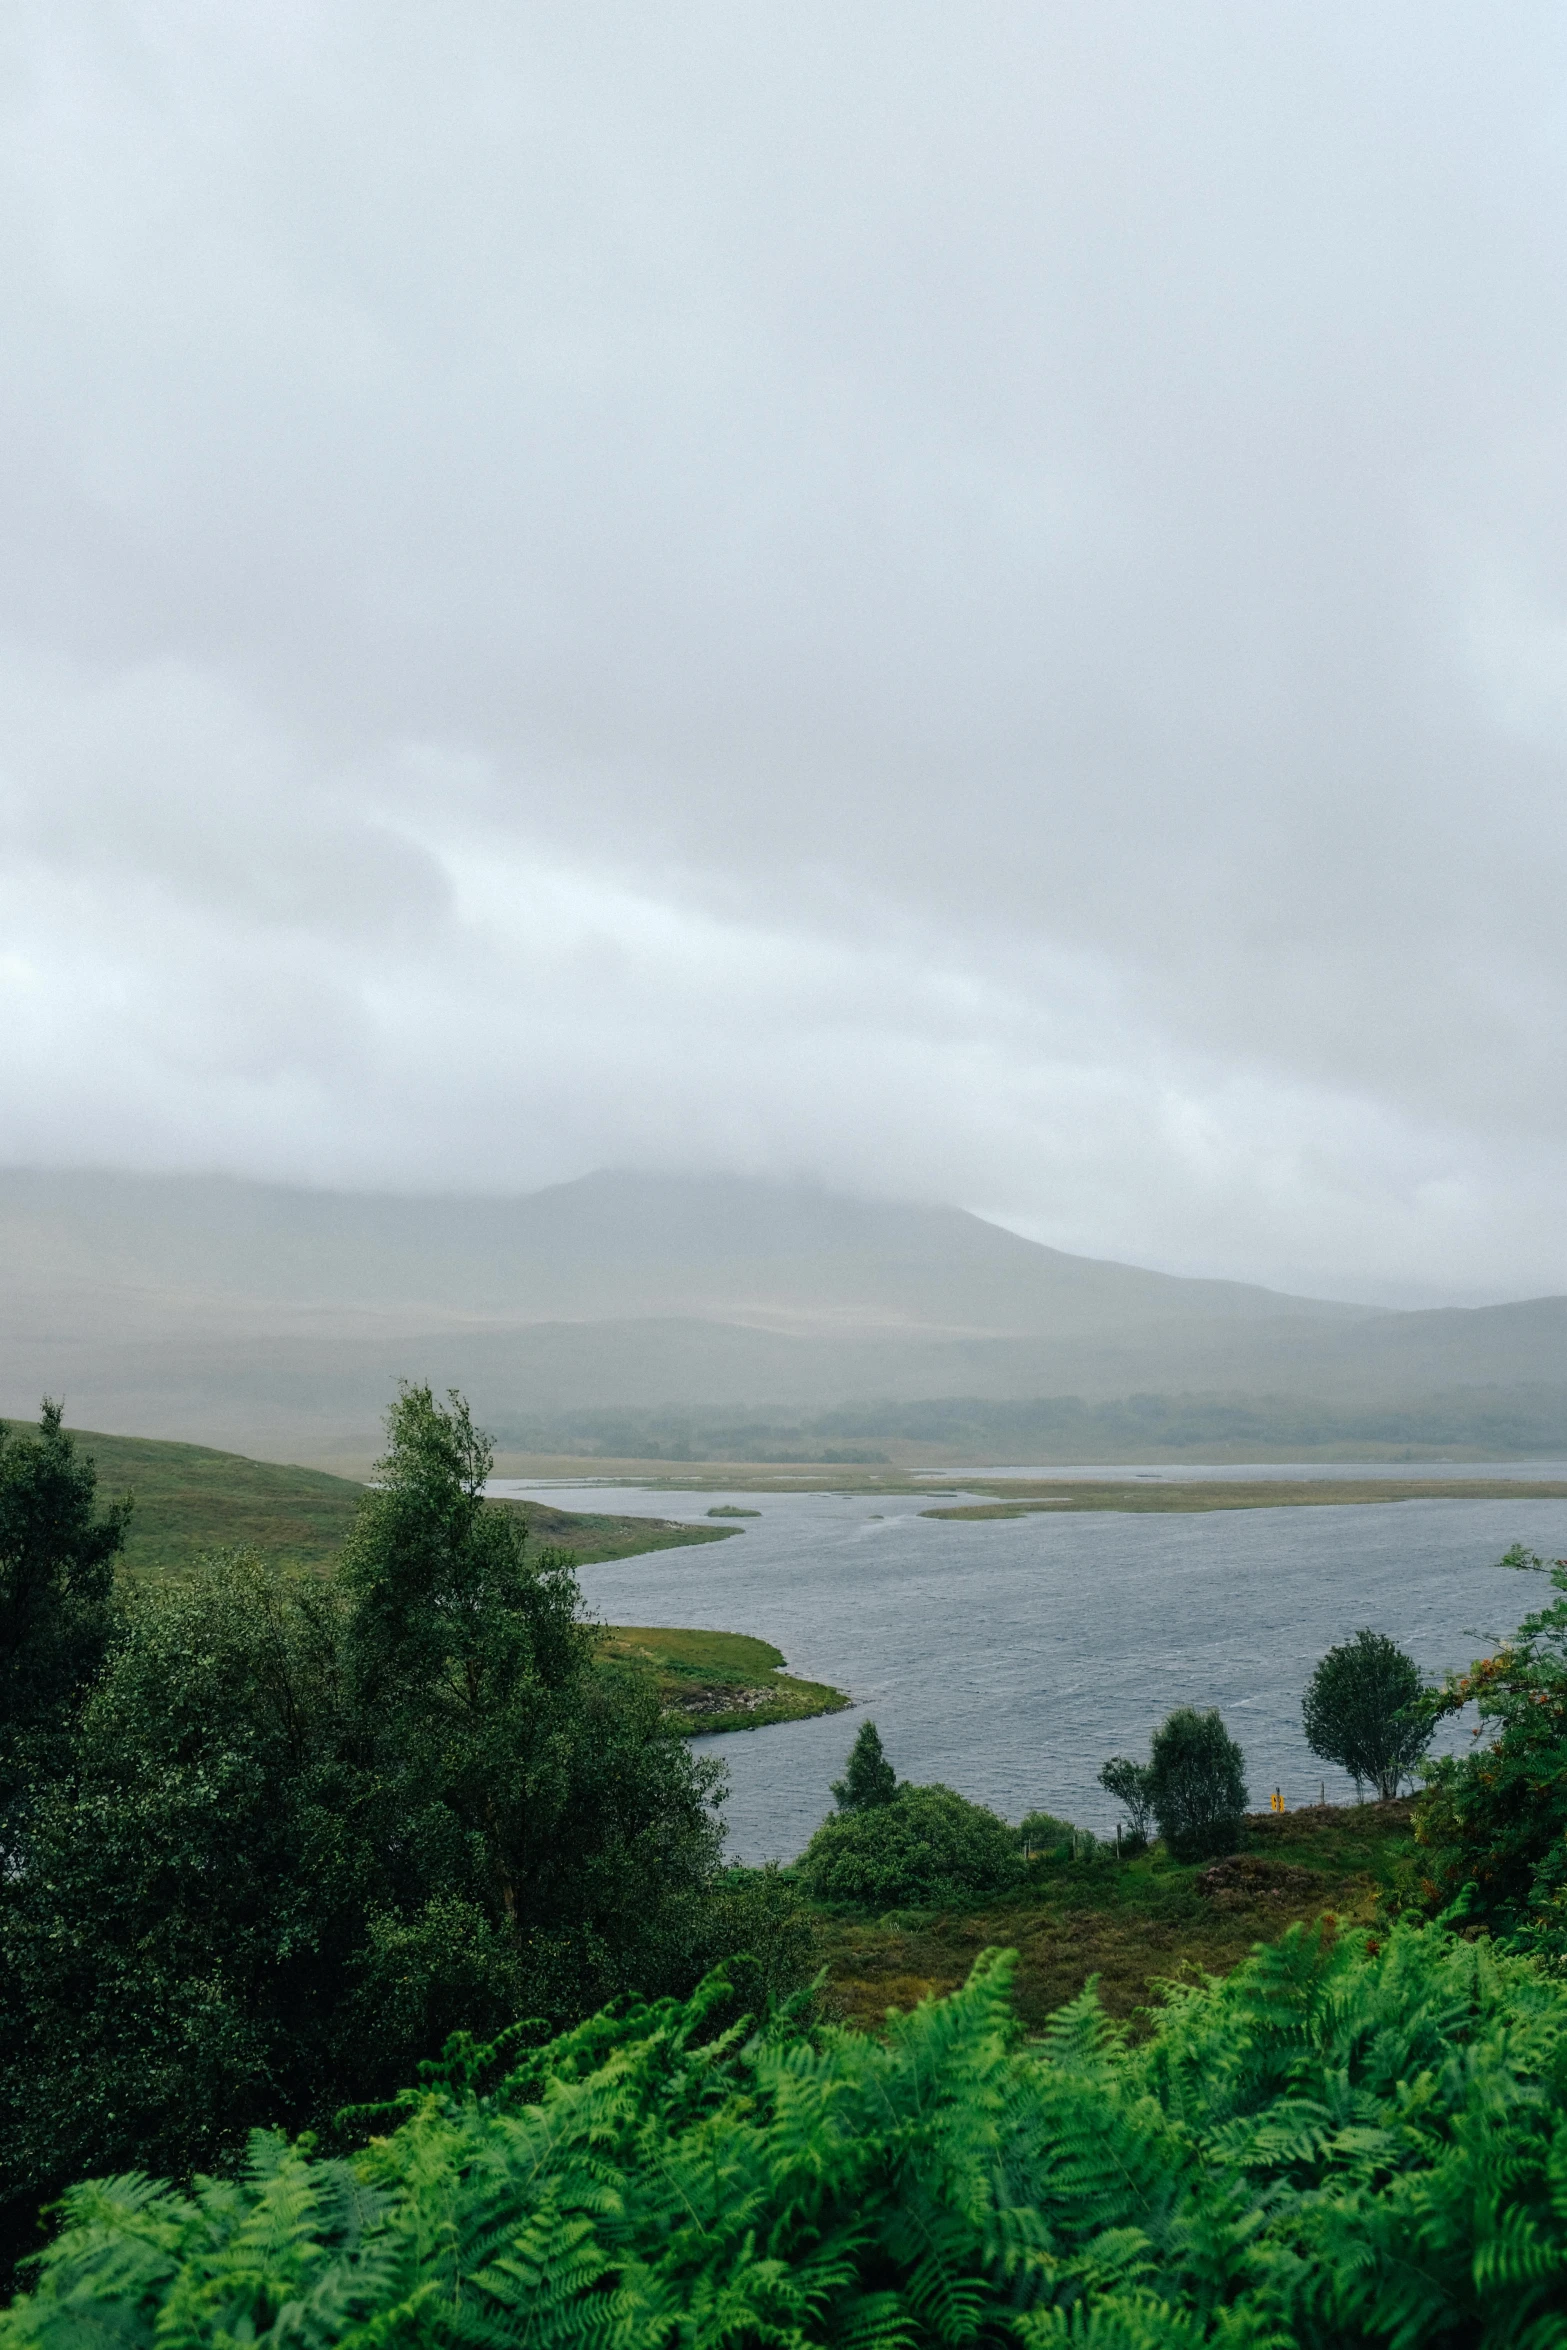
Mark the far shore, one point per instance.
(977, 1495)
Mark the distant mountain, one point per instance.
(610, 1246)
(279, 1320)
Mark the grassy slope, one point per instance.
(1131, 1923)
(718, 1680)
(191, 1499)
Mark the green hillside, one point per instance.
(191, 1498)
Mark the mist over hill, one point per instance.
(704, 1315)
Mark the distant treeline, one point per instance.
(1494, 1420)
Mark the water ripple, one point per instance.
(1010, 1657)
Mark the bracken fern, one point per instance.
(1339, 2144)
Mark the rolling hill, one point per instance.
(191, 1499)
(275, 1321)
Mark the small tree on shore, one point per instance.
(869, 1779)
(1131, 1783)
(1357, 1712)
(1197, 1784)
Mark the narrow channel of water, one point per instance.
(1010, 1657)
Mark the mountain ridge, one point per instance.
(605, 1246)
(263, 1317)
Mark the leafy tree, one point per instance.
(566, 1808)
(1359, 1712)
(1131, 1783)
(189, 1920)
(928, 1845)
(1197, 1784)
(869, 1778)
(448, 1613)
(56, 1591)
(1344, 2142)
(1493, 1822)
(303, 1830)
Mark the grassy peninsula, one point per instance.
(1017, 1498)
(711, 1681)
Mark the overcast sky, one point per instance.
(966, 601)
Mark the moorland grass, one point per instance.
(1133, 1924)
(193, 1498)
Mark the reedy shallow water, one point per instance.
(1009, 1658)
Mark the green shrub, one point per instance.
(1197, 1784)
(1338, 2146)
(929, 1845)
(1360, 1711)
(1045, 1837)
(755, 1923)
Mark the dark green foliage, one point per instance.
(869, 1778)
(1339, 2146)
(195, 1892)
(1044, 1837)
(56, 1591)
(303, 1830)
(1197, 1784)
(559, 1804)
(1131, 1783)
(755, 1925)
(1360, 1711)
(1494, 1821)
(927, 1846)
(449, 1617)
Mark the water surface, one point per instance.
(1010, 1657)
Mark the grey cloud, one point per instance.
(158, 775)
(963, 602)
